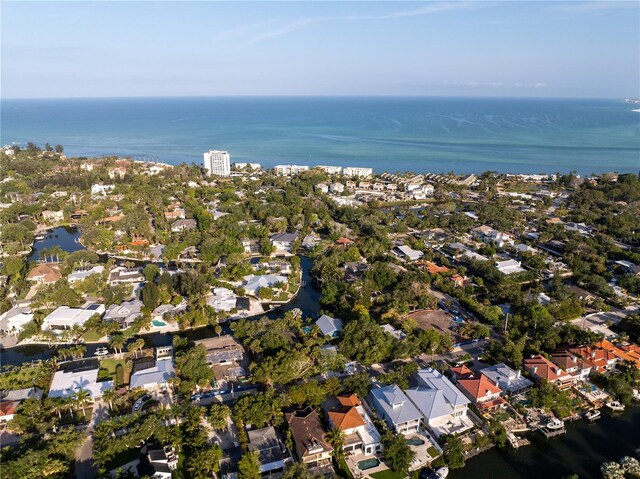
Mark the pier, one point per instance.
(548, 434)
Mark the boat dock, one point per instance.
(548, 434)
(516, 441)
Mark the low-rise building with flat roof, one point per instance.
(65, 317)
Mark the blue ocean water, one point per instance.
(463, 135)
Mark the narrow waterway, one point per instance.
(65, 237)
(580, 451)
(307, 300)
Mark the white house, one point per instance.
(443, 406)
(222, 299)
(322, 188)
(395, 408)
(80, 274)
(14, 320)
(150, 373)
(510, 266)
(329, 326)
(511, 382)
(122, 275)
(65, 317)
(125, 313)
(361, 435)
(66, 384)
(407, 253)
(336, 188)
(253, 283)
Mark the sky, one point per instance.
(475, 48)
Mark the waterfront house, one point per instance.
(572, 364)
(443, 406)
(395, 408)
(348, 415)
(272, 453)
(153, 372)
(509, 381)
(308, 437)
(481, 391)
(125, 313)
(65, 317)
(544, 370)
(253, 283)
(181, 225)
(66, 383)
(329, 326)
(44, 274)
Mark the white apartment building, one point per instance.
(357, 171)
(247, 166)
(288, 170)
(217, 162)
(332, 170)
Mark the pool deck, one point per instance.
(353, 460)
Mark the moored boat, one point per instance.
(615, 406)
(440, 473)
(554, 424)
(101, 351)
(592, 415)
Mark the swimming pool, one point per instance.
(368, 464)
(157, 322)
(415, 441)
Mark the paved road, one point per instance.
(84, 468)
(597, 321)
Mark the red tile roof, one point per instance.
(479, 386)
(544, 369)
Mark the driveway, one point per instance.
(84, 467)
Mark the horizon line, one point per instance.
(155, 97)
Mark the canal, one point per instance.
(580, 451)
(65, 237)
(307, 300)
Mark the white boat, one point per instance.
(615, 406)
(554, 424)
(440, 473)
(592, 415)
(101, 351)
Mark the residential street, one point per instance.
(83, 465)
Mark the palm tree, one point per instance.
(218, 329)
(110, 396)
(336, 439)
(82, 397)
(117, 342)
(136, 346)
(79, 351)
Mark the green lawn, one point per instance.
(388, 474)
(92, 335)
(110, 365)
